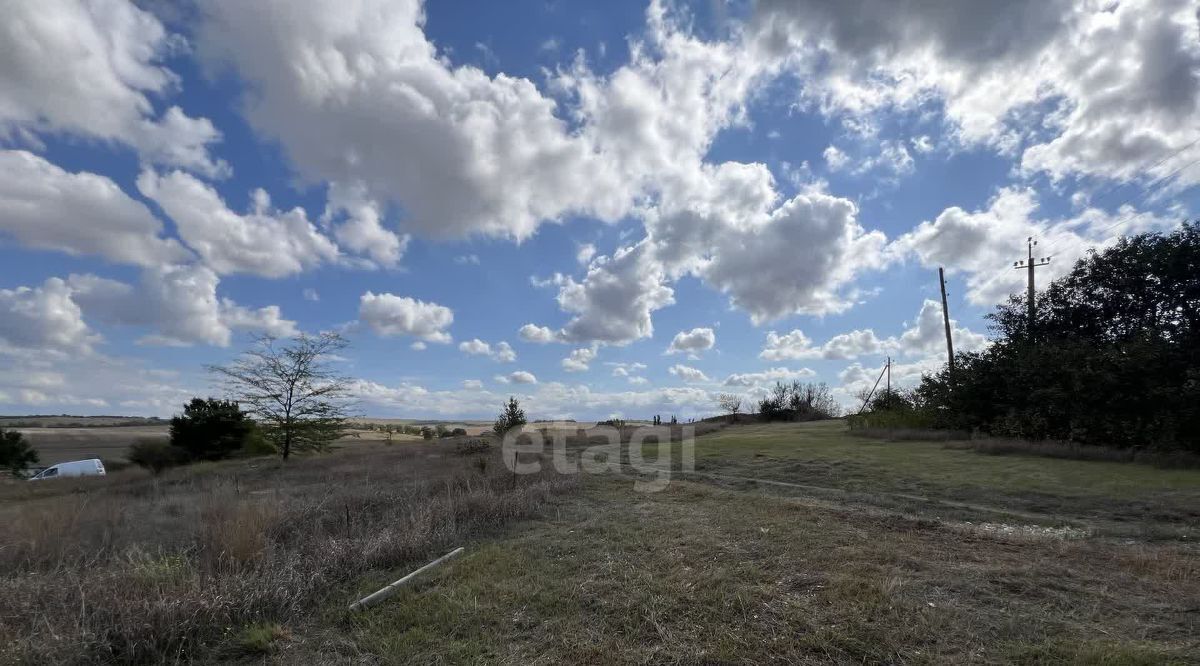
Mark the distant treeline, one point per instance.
(1112, 358)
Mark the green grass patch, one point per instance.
(698, 574)
(883, 462)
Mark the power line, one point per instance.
(1153, 184)
(1113, 186)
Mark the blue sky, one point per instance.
(604, 208)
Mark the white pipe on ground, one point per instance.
(368, 601)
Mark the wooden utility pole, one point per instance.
(1029, 265)
(889, 373)
(946, 320)
(878, 379)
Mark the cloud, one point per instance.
(614, 301)
(795, 345)
(390, 315)
(361, 228)
(796, 262)
(311, 294)
(578, 360)
(983, 244)
(552, 400)
(538, 334)
(585, 253)
(690, 342)
(262, 242)
(357, 93)
(93, 383)
(266, 320)
(472, 385)
(45, 207)
(517, 377)
(1075, 88)
(835, 158)
(178, 303)
(687, 373)
(926, 336)
(749, 379)
(492, 155)
(626, 369)
(501, 352)
(92, 69)
(43, 318)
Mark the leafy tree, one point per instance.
(1114, 357)
(301, 403)
(427, 432)
(210, 429)
(511, 417)
(16, 454)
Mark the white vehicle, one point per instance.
(92, 467)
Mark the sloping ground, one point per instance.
(858, 552)
(698, 574)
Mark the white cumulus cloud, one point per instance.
(388, 315)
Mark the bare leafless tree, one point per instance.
(731, 403)
(291, 390)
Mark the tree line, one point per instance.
(1111, 358)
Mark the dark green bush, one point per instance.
(1113, 358)
(156, 455)
(16, 454)
(211, 429)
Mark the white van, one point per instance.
(92, 467)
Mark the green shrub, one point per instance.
(257, 444)
(211, 429)
(156, 455)
(16, 454)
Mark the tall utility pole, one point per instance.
(946, 320)
(889, 373)
(1029, 265)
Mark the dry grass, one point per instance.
(704, 575)
(206, 559)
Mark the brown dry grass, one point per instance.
(135, 569)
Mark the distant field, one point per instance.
(66, 421)
(111, 442)
(56, 445)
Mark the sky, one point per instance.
(602, 208)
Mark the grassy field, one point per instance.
(792, 543)
(937, 478)
(844, 550)
(60, 444)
